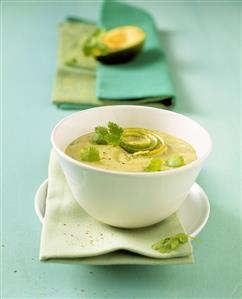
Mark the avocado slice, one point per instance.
(117, 45)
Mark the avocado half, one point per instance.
(118, 45)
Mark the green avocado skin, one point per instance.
(121, 56)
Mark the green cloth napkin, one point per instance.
(71, 235)
(144, 81)
(146, 76)
(75, 81)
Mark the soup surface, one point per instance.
(133, 150)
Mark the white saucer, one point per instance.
(193, 213)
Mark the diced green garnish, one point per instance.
(155, 165)
(90, 154)
(175, 161)
(110, 135)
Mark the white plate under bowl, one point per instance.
(193, 213)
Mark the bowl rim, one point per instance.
(193, 164)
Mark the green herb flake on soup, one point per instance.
(131, 149)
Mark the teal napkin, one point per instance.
(143, 81)
(70, 235)
(75, 80)
(147, 75)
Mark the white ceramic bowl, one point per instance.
(122, 199)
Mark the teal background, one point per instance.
(203, 46)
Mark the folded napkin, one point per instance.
(142, 81)
(144, 77)
(75, 82)
(69, 234)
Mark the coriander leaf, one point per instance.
(155, 165)
(101, 130)
(175, 161)
(93, 46)
(87, 48)
(89, 42)
(99, 135)
(115, 133)
(172, 243)
(97, 32)
(114, 129)
(164, 249)
(183, 238)
(102, 48)
(98, 139)
(175, 243)
(110, 135)
(71, 62)
(90, 154)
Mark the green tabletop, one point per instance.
(202, 43)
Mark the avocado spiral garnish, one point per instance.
(139, 141)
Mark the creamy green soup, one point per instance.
(131, 149)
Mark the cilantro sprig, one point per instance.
(93, 45)
(90, 154)
(172, 243)
(108, 135)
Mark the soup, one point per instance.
(131, 149)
